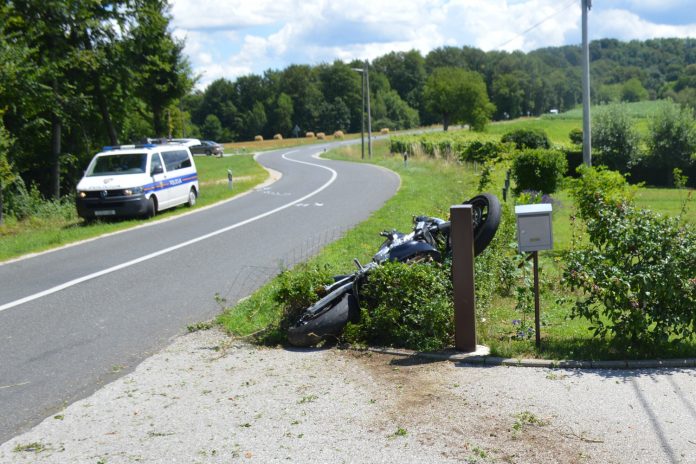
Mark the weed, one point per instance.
(198, 326)
(34, 447)
(308, 399)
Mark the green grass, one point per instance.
(430, 187)
(42, 233)
(557, 130)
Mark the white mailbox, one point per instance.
(534, 227)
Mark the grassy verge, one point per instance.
(63, 226)
(430, 187)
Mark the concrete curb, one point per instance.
(481, 357)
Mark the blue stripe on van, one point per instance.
(168, 183)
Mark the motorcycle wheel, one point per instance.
(328, 324)
(486, 220)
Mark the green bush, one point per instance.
(638, 272)
(598, 185)
(527, 138)
(298, 289)
(539, 170)
(406, 305)
(614, 138)
(483, 151)
(671, 141)
(576, 136)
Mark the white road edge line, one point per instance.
(135, 261)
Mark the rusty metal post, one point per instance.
(537, 324)
(462, 236)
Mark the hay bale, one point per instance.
(309, 135)
(338, 134)
(277, 137)
(384, 131)
(258, 138)
(321, 135)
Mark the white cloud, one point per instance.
(229, 38)
(626, 25)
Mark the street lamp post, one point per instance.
(369, 114)
(365, 93)
(362, 111)
(586, 126)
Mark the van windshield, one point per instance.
(118, 164)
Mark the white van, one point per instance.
(137, 180)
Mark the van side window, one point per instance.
(156, 164)
(176, 160)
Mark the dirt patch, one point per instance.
(442, 406)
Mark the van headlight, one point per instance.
(133, 191)
(81, 194)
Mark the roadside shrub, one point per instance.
(406, 305)
(298, 289)
(671, 141)
(527, 138)
(576, 136)
(537, 169)
(599, 185)
(258, 138)
(22, 203)
(614, 138)
(573, 156)
(638, 274)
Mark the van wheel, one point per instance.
(151, 207)
(191, 198)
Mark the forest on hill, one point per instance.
(327, 97)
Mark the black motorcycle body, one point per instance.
(428, 240)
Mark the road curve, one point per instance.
(78, 317)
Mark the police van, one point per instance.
(137, 180)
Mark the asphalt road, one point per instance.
(74, 319)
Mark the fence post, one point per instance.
(462, 237)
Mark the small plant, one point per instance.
(525, 418)
(538, 169)
(576, 136)
(33, 447)
(198, 326)
(308, 399)
(400, 432)
(298, 289)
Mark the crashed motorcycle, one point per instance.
(429, 240)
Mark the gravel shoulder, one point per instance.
(208, 398)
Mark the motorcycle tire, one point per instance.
(486, 220)
(328, 324)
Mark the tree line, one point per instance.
(75, 76)
(404, 88)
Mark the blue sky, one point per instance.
(231, 38)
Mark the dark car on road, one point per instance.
(207, 147)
